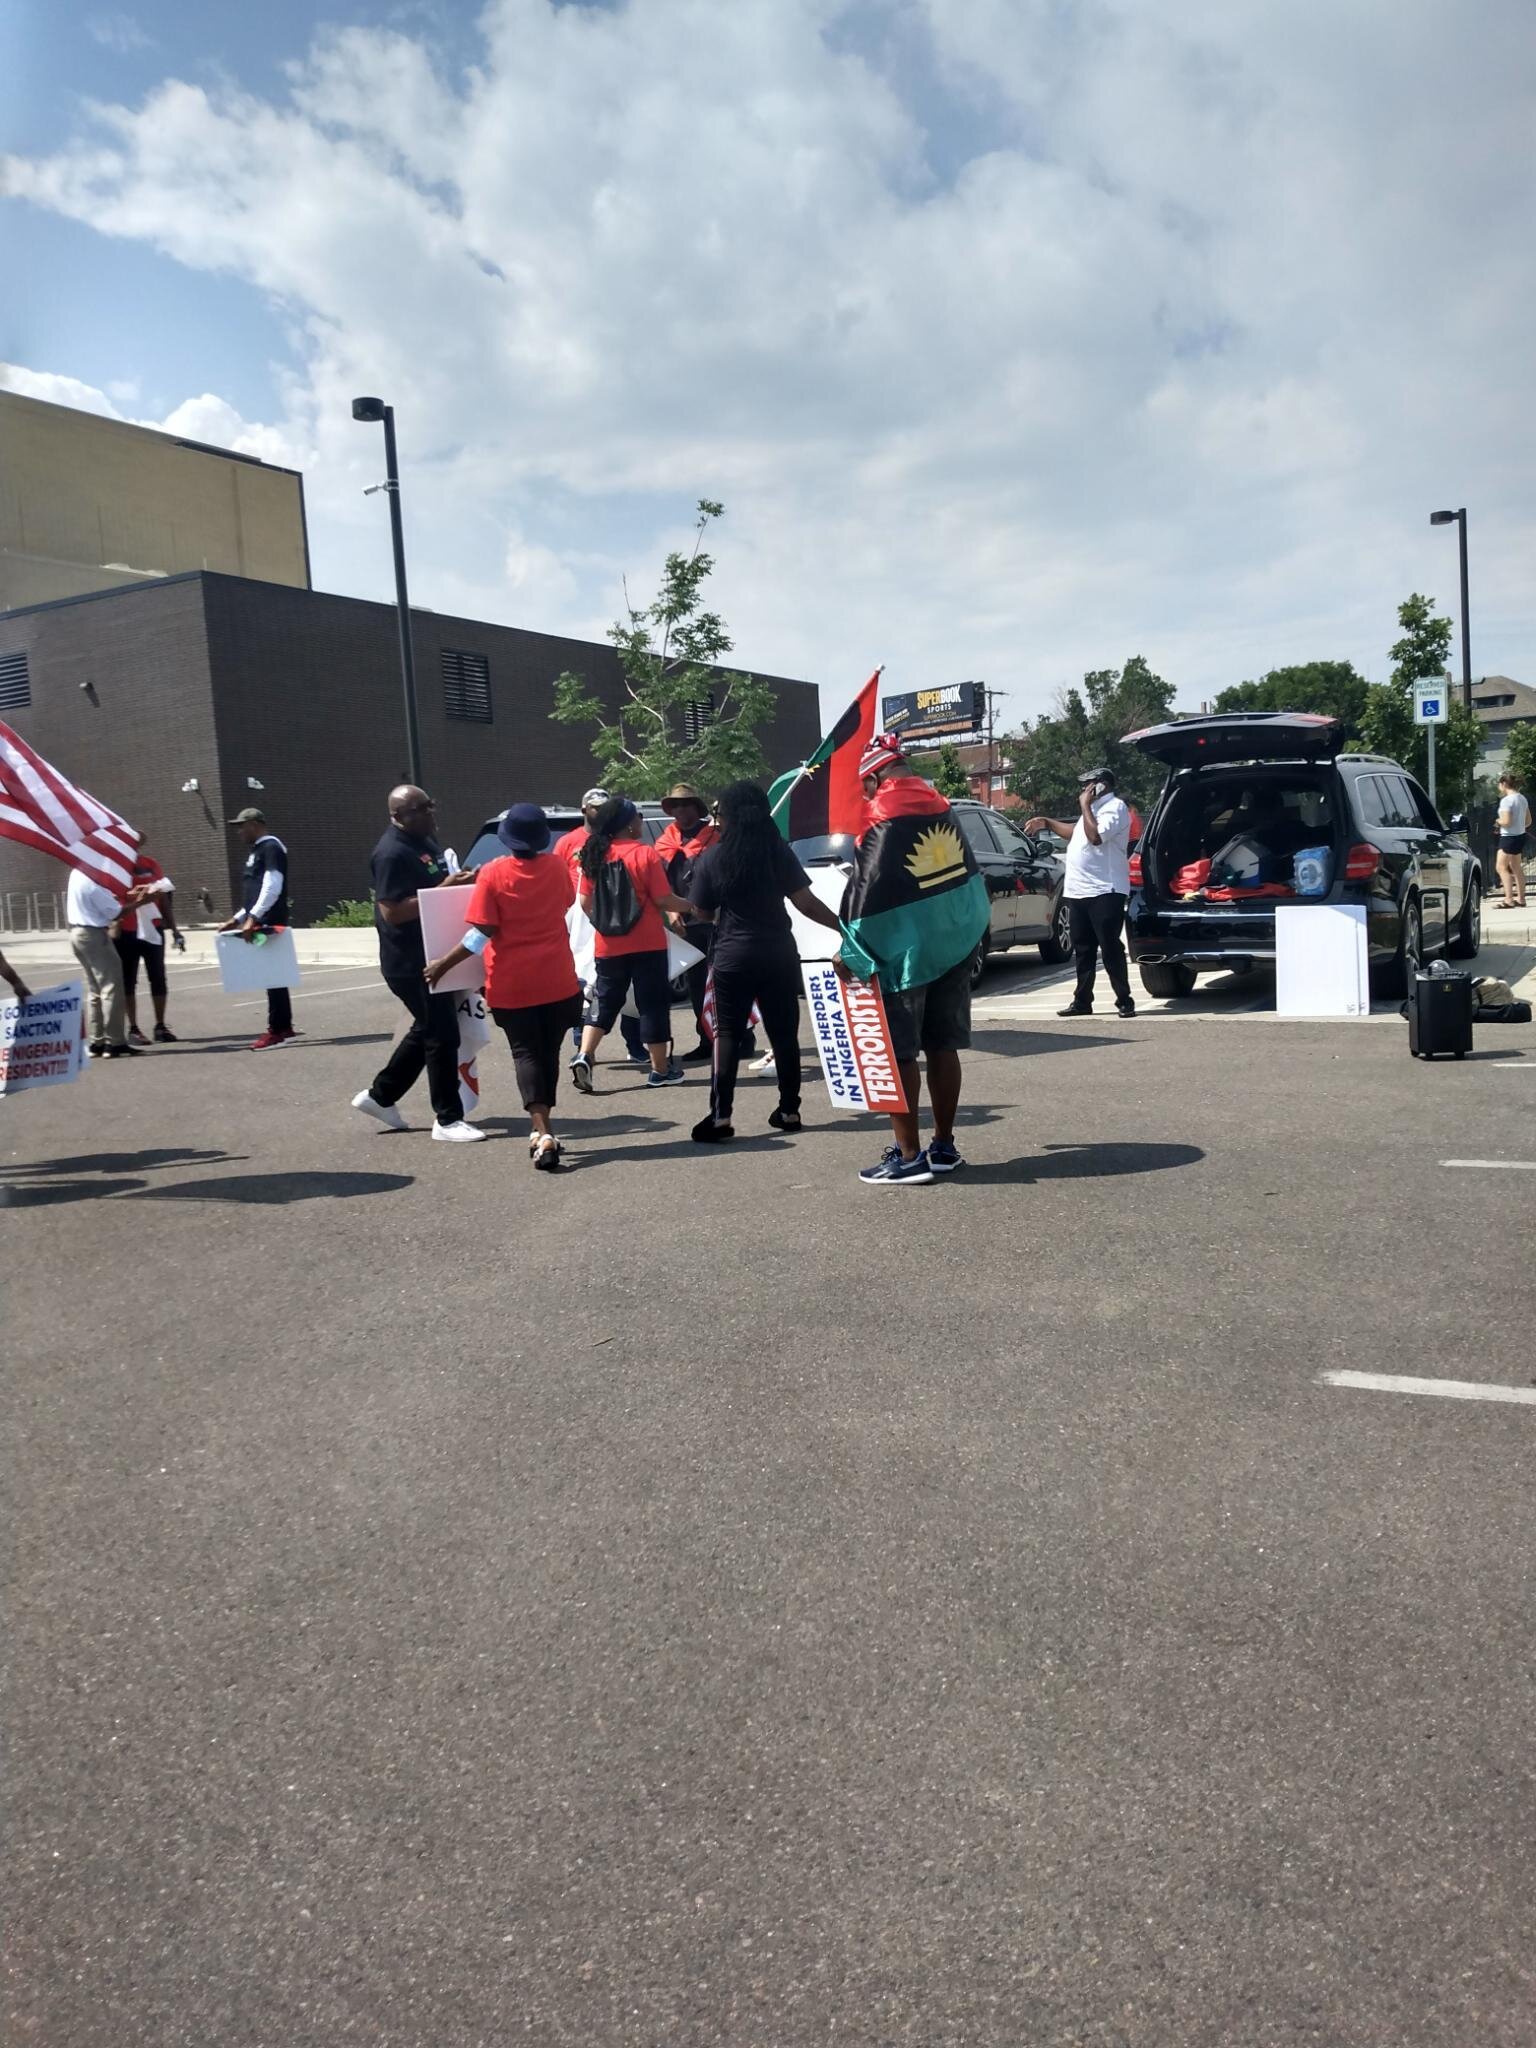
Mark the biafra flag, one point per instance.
(826, 796)
(917, 904)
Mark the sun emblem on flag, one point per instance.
(937, 857)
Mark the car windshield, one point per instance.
(823, 848)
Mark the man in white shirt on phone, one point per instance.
(1097, 887)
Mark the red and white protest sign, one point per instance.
(853, 1038)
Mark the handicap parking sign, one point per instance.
(1429, 705)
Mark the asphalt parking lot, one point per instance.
(697, 1599)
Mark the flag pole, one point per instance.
(806, 766)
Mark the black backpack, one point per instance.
(615, 906)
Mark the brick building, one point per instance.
(222, 682)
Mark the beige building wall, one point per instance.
(89, 503)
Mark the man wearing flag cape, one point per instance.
(912, 915)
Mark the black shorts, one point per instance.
(1512, 842)
(647, 972)
(131, 950)
(934, 1017)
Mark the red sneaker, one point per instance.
(270, 1038)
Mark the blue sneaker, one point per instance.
(944, 1155)
(896, 1172)
(669, 1079)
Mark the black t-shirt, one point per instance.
(404, 866)
(752, 920)
(267, 856)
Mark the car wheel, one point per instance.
(1166, 978)
(1468, 935)
(1410, 950)
(1057, 946)
(980, 957)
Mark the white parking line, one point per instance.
(1495, 1165)
(1402, 1383)
(312, 994)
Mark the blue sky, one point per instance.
(1018, 336)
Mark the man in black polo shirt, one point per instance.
(406, 861)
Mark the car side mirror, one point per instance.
(1458, 822)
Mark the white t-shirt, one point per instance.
(1514, 813)
(1103, 870)
(88, 903)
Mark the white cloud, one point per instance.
(118, 32)
(1017, 337)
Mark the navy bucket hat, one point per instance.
(524, 829)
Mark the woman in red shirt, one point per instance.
(517, 909)
(632, 953)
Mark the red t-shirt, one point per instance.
(528, 960)
(145, 869)
(647, 934)
(568, 846)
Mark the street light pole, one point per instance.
(376, 409)
(1444, 519)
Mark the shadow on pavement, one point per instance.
(128, 1162)
(572, 1129)
(984, 1039)
(279, 1189)
(1080, 1162)
(43, 1194)
(683, 1148)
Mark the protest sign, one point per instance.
(442, 927)
(814, 941)
(42, 1040)
(853, 1039)
(474, 1034)
(249, 965)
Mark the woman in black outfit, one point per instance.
(740, 885)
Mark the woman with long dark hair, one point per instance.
(741, 884)
(624, 890)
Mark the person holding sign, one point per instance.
(624, 890)
(516, 915)
(913, 915)
(407, 861)
(741, 885)
(264, 903)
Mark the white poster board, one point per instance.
(853, 1041)
(680, 955)
(250, 965)
(814, 941)
(442, 927)
(474, 1035)
(1321, 961)
(42, 1040)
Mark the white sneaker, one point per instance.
(459, 1134)
(763, 1066)
(382, 1112)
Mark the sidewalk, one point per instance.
(355, 947)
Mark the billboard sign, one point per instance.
(936, 713)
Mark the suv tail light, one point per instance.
(1135, 870)
(1361, 862)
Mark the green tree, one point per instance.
(1086, 730)
(1520, 757)
(680, 717)
(1332, 689)
(949, 777)
(1387, 723)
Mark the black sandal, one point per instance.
(786, 1120)
(707, 1132)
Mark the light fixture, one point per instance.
(252, 783)
(191, 786)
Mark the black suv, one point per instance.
(1023, 878)
(1249, 792)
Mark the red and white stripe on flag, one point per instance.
(41, 808)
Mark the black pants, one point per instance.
(1096, 923)
(279, 1010)
(702, 936)
(131, 950)
(536, 1035)
(774, 985)
(431, 1042)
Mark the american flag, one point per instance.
(42, 808)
